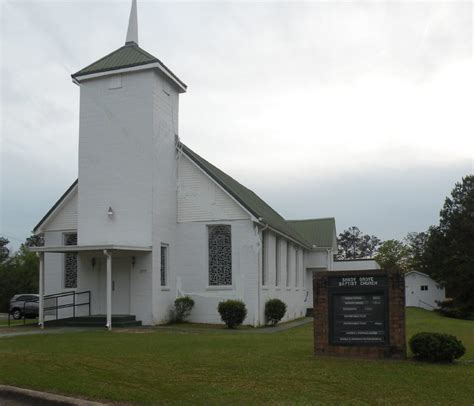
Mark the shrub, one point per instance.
(183, 307)
(232, 312)
(275, 309)
(436, 347)
(449, 308)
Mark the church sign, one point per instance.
(359, 313)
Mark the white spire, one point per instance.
(132, 32)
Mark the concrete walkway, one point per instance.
(18, 331)
(13, 396)
(25, 331)
(260, 330)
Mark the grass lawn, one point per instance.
(220, 367)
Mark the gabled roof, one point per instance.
(128, 56)
(320, 232)
(247, 198)
(55, 206)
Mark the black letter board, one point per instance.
(358, 310)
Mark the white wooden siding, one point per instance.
(201, 199)
(65, 217)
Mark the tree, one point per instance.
(449, 253)
(353, 244)
(416, 244)
(4, 251)
(393, 255)
(34, 241)
(18, 274)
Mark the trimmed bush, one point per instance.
(183, 307)
(275, 309)
(436, 347)
(232, 312)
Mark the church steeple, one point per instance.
(128, 58)
(132, 32)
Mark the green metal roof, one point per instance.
(128, 56)
(247, 198)
(320, 232)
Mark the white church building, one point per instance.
(149, 220)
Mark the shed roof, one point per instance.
(320, 232)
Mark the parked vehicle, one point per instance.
(25, 305)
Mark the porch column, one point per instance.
(41, 290)
(108, 255)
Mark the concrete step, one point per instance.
(118, 320)
(103, 317)
(135, 323)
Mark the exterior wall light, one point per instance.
(93, 262)
(133, 261)
(110, 212)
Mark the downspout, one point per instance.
(260, 261)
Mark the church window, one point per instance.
(164, 265)
(220, 255)
(70, 262)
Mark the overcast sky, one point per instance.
(357, 110)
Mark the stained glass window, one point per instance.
(70, 262)
(220, 255)
(164, 265)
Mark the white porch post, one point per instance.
(41, 289)
(108, 255)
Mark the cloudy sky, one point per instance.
(357, 110)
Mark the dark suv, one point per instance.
(24, 306)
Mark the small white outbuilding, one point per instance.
(422, 291)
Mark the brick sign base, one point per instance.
(386, 306)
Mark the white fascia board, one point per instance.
(57, 209)
(154, 65)
(252, 217)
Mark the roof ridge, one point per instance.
(145, 53)
(314, 219)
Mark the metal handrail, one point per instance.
(58, 306)
(67, 305)
(427, 304)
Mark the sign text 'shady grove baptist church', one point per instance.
(359, 313)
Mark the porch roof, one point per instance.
(100, 247)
